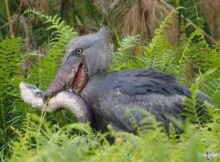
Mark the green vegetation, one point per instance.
(27, 136)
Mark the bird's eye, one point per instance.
(79, 51)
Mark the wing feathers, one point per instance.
(143, 81)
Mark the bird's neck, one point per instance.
(91, 89)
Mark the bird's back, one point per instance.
(119, 96)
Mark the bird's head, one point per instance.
(85, 56)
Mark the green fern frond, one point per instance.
(159, 31)
(129, 114)
(43, 72)
(10, 58)
(53, 139)
(58, 26)
(123, 58)
(194, 110)
(172, 134)
(150, 124)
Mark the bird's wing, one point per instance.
(142, 82)
(125, 111)
(150, 90)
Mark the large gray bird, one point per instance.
(109, 96)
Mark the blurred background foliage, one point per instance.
(147, 34)
(126, 17)
(133, 17)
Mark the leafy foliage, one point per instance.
(195, 64)
(42, 73)
(40, 141)
(39, 137)
(77, 142)
(10, 57)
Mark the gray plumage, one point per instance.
(111, 95)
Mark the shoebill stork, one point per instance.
(108, 96)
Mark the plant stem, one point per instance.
(9, 19)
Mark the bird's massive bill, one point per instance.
(72, 77)
(82, 59)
